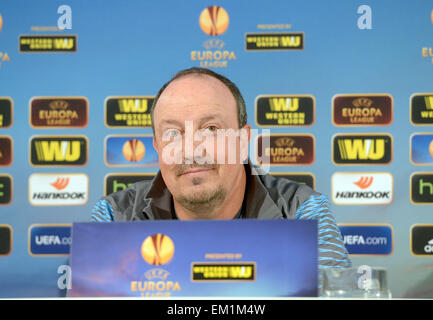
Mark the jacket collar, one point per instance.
(258, 203)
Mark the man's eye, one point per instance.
(173, 133)
(211, 128)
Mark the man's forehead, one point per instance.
(196, 89)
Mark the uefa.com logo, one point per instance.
(58, 189)
(209, 148)
(50, 239)
(359, 188)
(368, 239)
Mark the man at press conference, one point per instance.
(194, 183)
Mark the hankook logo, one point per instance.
(358, 188)
(60, 183)
(362, 149)
(157, 249)
(58, 189)
(364, 182)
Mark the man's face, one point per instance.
(197, 106)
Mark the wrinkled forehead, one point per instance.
(196, 90)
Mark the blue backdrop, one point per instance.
(130, 48)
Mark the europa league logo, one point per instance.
(157, 249)
(214, 20)
(133, 150)
(430, 148)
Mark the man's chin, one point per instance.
(198, 191)
(200, 194)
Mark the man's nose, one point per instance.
(193, 150)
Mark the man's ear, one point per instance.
(245, 137)
(248, 128)
(155, 144)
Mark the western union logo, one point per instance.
(429, 102)
(223, 272)
(58, 151)
(274, 41)
(428, 113)
(129, 111)
(48, 43)
(285, 110)
(5, 112)
(422, 109)
(133, 105)
(284, 104)
(362, 149)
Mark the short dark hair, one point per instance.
(242, 111)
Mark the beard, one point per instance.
(203, 203)
(200, 202)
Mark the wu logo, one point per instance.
(62, 44)
(291, 41)
(362, 149)
(58, 151)
(284, 104)
(428, 102)
(133, 105)
(421, 109)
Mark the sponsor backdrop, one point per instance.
(344, 89)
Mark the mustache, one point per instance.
(180, 169)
